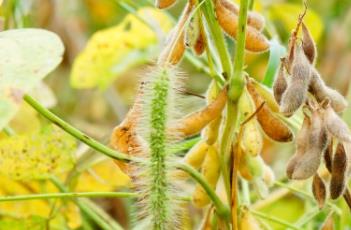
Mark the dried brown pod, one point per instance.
(339, 172)
(271, 125)
(200, 44)
(195, 122)
(254, 19)
(228, 20)
(319, 190)
(161, 4)
(280, 83)
(335, 125)
(311, 143)
(175, 47)
(308, 44)
(296, 92)
(322, 92)
(328, 156)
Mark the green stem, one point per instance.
(217, 36)
(87, 209)
(274, 219)
(237, 80)
(221, 209)
(46, 196)
(75, 132)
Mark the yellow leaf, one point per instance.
(287, 14)
(103, 177)
(112, 51)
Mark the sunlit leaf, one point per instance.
(32, 223)
(275, 53)
(111, 52)
(38, 155)
(287, 14)
(26, 57)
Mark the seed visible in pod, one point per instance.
(255, 40)
(339, 172)
(270, 124)
(319, 190)
(308, 44)
(161, 4)
(296, 92)
(280, 83)
(335, 125)
(322, 92)
(308, 156)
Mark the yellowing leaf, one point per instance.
(26, 57)
(288, 13)
(103, 177)
(37, 155)
(112, 51)
(32, 223)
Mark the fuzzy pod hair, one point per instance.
(339, 172)
(162, 4)
(335, 125)
(322, 92)
(319, 190)
(308, 44)
(228, 20)
(296, 92)
(311, 143)
(280, 83)
(158, 206)
(272, 126)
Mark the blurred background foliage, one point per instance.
(107, 49)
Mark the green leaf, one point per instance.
(276, 52)
(33, 223)
(287, 14)
(113, 51)
(26, 57)
(38, 155)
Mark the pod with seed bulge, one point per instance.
(161, 4)
(267, 95)
(335, 125)
(252, 141)
(210, 170)
(296, 92)
(271, 125)
(308, 44)
(319, 190)
(280, 83)
(323, 92)
(228, 20)
(195, 122)
(254, 19)
(250, 167)
(339, 172)
(308, 160)
(194, 157)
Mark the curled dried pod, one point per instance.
(210, 170)
(335, 125)
(194, 157)
(308, 44)
(319, 190)
(322, 92)
(195, 122)
(254, 19)
(162, 4)
(296, 92)
(339, 172)
(280, 83)
(271, 125)
(174, 50)
(228, 20)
